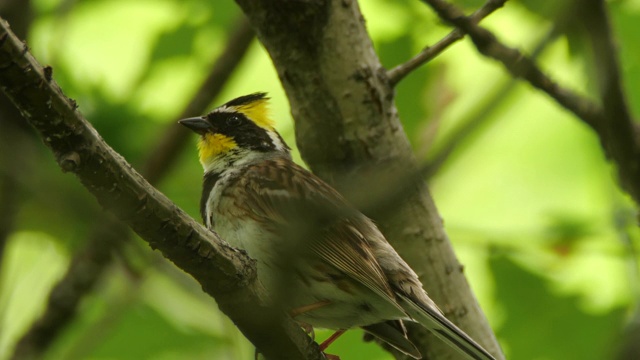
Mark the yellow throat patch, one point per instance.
(211, 145)
(258, 111)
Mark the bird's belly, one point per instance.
(331, 299)
(342, 304)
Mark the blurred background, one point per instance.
(548, 240)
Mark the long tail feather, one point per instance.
(445, 330)
(394, 337)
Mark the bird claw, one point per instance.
(308, 329)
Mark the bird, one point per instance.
(326, 262)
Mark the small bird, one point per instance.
(337, 271)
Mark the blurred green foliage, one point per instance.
(529, 201)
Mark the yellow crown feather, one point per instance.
(258, 111)
(254, 106)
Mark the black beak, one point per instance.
(197, 124)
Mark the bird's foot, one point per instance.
(308, 329)
(325, 344)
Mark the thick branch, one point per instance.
(347, 127)
(108, 235)
(224, 272)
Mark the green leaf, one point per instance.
(540, 324)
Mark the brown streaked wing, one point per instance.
(278, 190)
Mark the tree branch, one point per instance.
(479, 118)
(225, 273)
(108, 235)
(399, 72)
(518, 64)
(612, 124)
(348, 131)
(617, 133)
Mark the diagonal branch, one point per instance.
(88, 265)
(427, 54)
(479, 118)
(225, 273)
(518, 64)
(612, 123)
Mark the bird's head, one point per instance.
(240, 128)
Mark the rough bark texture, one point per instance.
(109, 234)
(347, 126)
(225, 273)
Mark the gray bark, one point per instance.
(348, 132)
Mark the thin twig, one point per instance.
(479, 118)
(612, 123)
(399, 72)
(519, 65)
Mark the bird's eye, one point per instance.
(233, 120)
